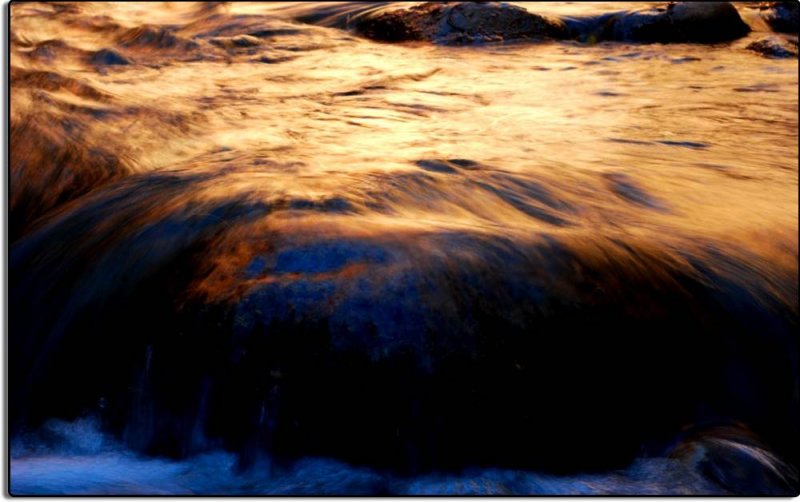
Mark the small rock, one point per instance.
(774, 47)
(238, 41)
(704, 22)
(108, 57)
(273, 59)
(493, 22)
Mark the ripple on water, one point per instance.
(399, 234)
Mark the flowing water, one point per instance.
(415, 268)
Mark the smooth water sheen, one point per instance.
(320, 175)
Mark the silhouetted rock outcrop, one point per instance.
(703, 22)
(467, 22)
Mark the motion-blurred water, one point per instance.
(84, 462)
(207, 197)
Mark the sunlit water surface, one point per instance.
(410, 151)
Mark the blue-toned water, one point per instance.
(81, 460)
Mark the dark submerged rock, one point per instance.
(108, 57)
(266, 59)
(774, 47)
(434, 352)
(460, 23)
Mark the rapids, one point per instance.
(252, 252)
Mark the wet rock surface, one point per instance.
(350, 347)
(775, 47)
(466, 22)
(706, 22)
(153, 37)
(460, 23)
(703, 22)
(108, 57)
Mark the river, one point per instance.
(300, 261)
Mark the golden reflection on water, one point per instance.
(242, 226)
(661, 143)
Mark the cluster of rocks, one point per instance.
(475, 22)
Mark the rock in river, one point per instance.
(105, 57)
(460, 23)
(774, 47)
(704, 22)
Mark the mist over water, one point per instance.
(254, 253)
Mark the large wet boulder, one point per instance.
(703, 22)
(460, 23)
(187, 323)
(706, 21)
(782, 16)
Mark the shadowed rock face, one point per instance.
(460, 23)
(487, 350)
(783, 16)
(704, 22)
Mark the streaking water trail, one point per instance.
(251, 249)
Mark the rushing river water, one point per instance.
(252, 252)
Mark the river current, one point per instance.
(252, 252)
